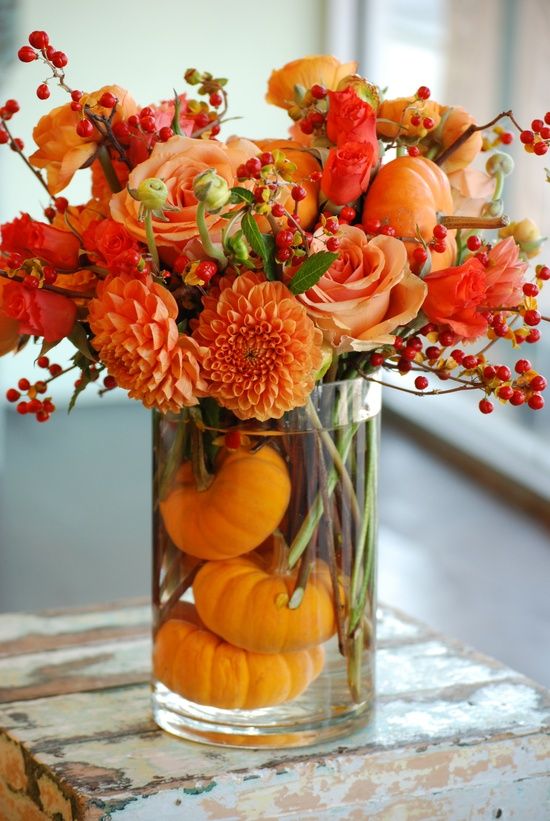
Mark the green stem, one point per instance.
(208, 245)
(499, 187)
(108, 169)
(151, 244)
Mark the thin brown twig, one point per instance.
(468, 133)
(16, 148)
(53, 288)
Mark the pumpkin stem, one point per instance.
(203, 479)
(279, 559)
(473, 222)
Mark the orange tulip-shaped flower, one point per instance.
(136, 335)
(304, 73)
(262, 348)
(61, 151)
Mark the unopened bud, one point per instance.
(365, 91)
(499, 163)
(152, 193)
(211, 189)
(238, 246)
(192, 76)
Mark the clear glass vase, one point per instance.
(264, 570)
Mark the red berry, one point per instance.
(545, 133)
(23, 384)
(530, 289)
(421, 383)
(413, 151)
(215, 99)
(372, 226)
(298, 193)
(55, 369)
(504, 373)
(440, 231)
(446, 338)
(283, 254)
(3, 137)
(202, 119)
(59, 59)
(23, 407)
(536, 125)
(423, 93)
(253, 166)
(122, 132)
(533, 336)
(420, 254)
(547, 118)
(486, 407)
(332, 226)
(388, 231)
(42, 416)
(522, 366)
(49, 51)
(319, 92)
(284, 238)
(506, 137)
(43, 92)
(428, 123)
(148, 124)
(39, 39)
(84, 128)
(416, 119)
(536, 402)
(527, 137)
(377, 359)
(505, 392)
(404, 365)
(110, 382)
(76, 95)
(133, 121)
(61, 203)
(399, 343)
(34, 405)
(333, 244)
(540, 148)
(473, 243)
(316, 176)
(469, 362)
(306, 126)
(27, 54)
(532, 317)
(483, 257)
(43, 362)
(50, 274)
(146, 111)
(489, 373)
(232, 439)
(347, 214)
(415, 342)
(108, 100)
(76, 106)
(457, 355)
(277, 210)
(12, 106)
(266, 158)
(538, 383)
(517, 398)
(433, 352)
(12, 395)
(166, 133)
(439, 247)
(41, 387)
(18, 144)
(48, 405)
(543, 272)
(206, 270)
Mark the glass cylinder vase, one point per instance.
(264, 568)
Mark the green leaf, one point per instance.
(176, 118)
(81, 342)
(47, 347)
(262, 244)
(311, 271)
(239, 194)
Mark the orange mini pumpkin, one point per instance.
(246, 604)
(306, 165)
(244, 503)
(407, 194)
(203, 668)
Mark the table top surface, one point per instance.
(74, 702)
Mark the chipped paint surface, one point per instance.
(454, 736)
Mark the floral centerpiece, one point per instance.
(254, 292)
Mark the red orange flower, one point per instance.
(136, 335)
(504, 275)
(262, 348)
(304, 73)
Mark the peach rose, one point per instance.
(61, 151)
(470, 189)
(366, 294)
(504, 275)
(304, 73)
(177, 162)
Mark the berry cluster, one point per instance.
(41, 48)
(537, 138)
(41, 408)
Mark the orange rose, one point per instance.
(304, 73)
(366, 294)
(306, 164)
(61, 151)
(178, 162)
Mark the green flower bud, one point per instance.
(152, 193)
(192, 76)
(211, 189)
(499, 163)
(238, 247)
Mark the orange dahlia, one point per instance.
(136, 335)
(262, 348)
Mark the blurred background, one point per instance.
(464, 498)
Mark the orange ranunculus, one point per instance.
(61, 151)
(455, 296)
(305, 72)
(399, 113)
(9, 328)
(177, 162)
(77, 218)
(306, 163)
(504, 275)
(367, 292)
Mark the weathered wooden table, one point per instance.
(455, 736)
